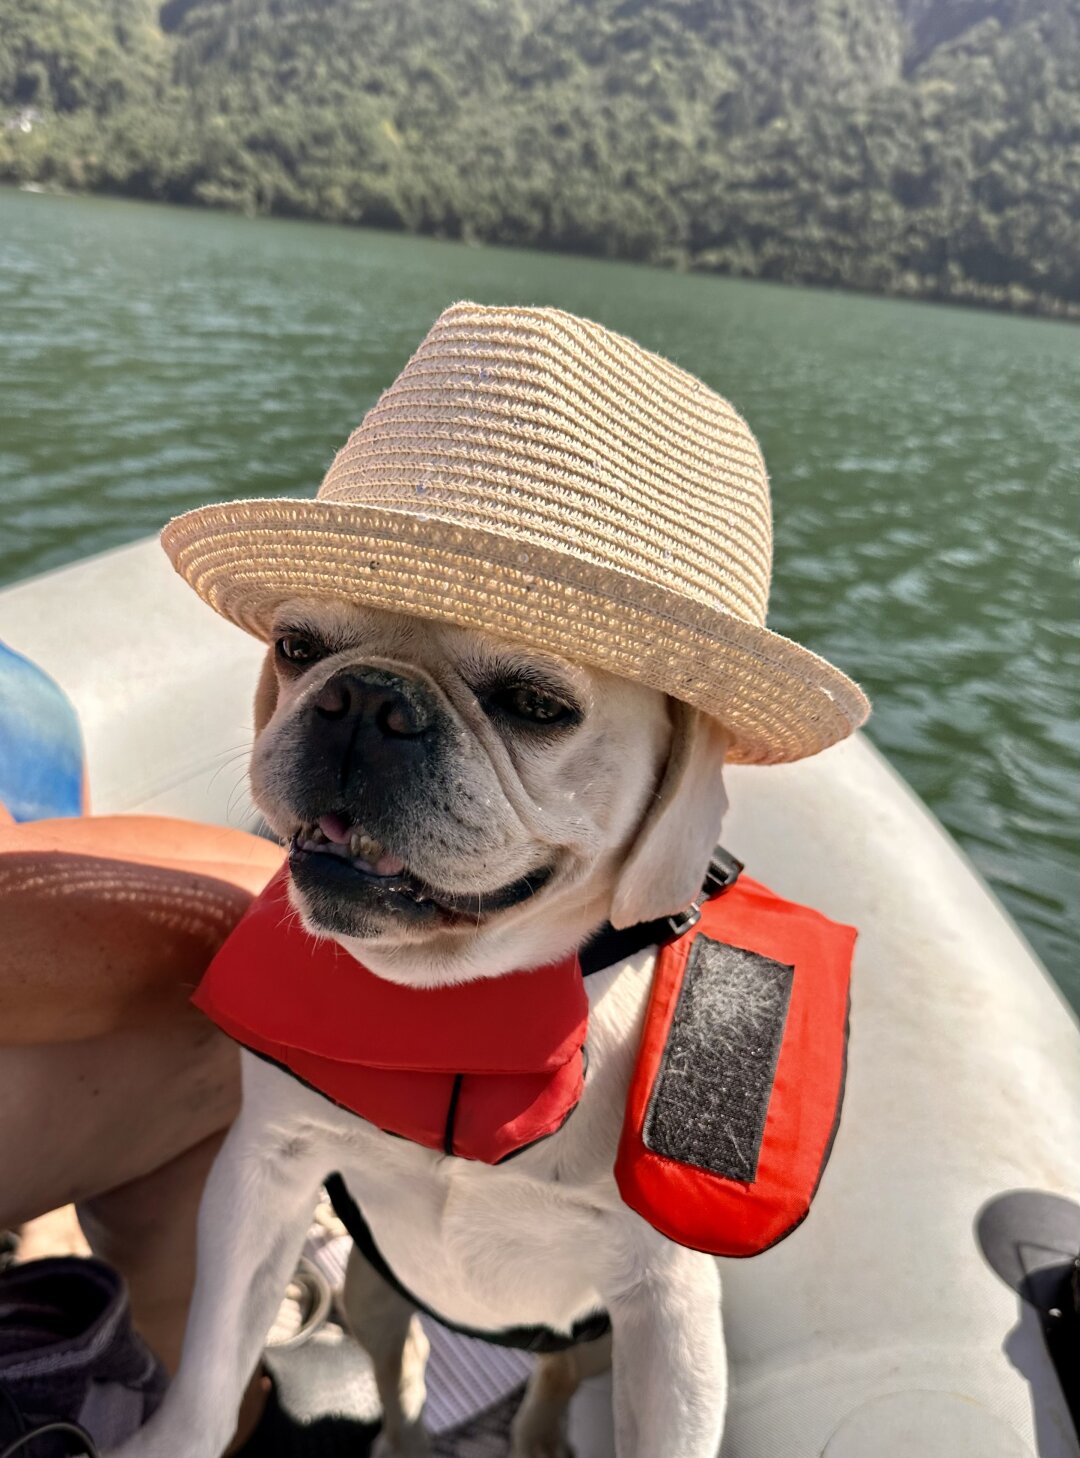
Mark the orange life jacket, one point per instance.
(479, 1069)
(736, 1091)
(729, 1117)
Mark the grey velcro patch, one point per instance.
(711, 1094)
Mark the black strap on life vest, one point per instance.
(603, 949)
(608, 946)
(526, 1338)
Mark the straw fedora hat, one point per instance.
(537, 476)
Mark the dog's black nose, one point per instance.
(385, 706)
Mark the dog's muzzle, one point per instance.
(374, 745)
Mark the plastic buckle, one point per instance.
(724, 870)
(682, 923)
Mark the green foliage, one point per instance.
(68, 56)
(903, 146)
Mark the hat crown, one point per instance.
(558, 433)
(534, 476)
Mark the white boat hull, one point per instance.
(878, 1329)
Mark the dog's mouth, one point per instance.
(333, 835)
(335, 856)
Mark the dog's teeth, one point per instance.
(317, 836)
(363, 847)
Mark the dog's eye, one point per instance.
(526, 701)
(295, 648)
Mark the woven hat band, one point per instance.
(562, 435)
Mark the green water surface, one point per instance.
(923, 459)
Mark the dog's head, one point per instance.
(458, 806)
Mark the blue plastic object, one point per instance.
(41, 745)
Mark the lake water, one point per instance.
(924, 461)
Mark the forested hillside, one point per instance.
(929, 148)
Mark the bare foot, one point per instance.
(56, 1234)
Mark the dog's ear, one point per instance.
(265, 694)
(664, 870)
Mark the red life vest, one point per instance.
(736, 1092)
(479, 1069)
(485, 1068)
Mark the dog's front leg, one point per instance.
(387, 1327)
(253, 1218)
(669, 1365)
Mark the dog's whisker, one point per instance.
(237, 789)
(240, 756)
(231, 750)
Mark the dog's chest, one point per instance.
(525, 1241)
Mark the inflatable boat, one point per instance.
(923, 1309)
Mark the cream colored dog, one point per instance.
(459, 807)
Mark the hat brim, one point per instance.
(779, 701)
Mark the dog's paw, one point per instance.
(410, 1441)
(537, 1430)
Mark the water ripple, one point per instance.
(924, 461)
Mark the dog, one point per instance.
(541, 798)
(515, 636)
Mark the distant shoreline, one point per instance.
(1047, 308)
(901, 149)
